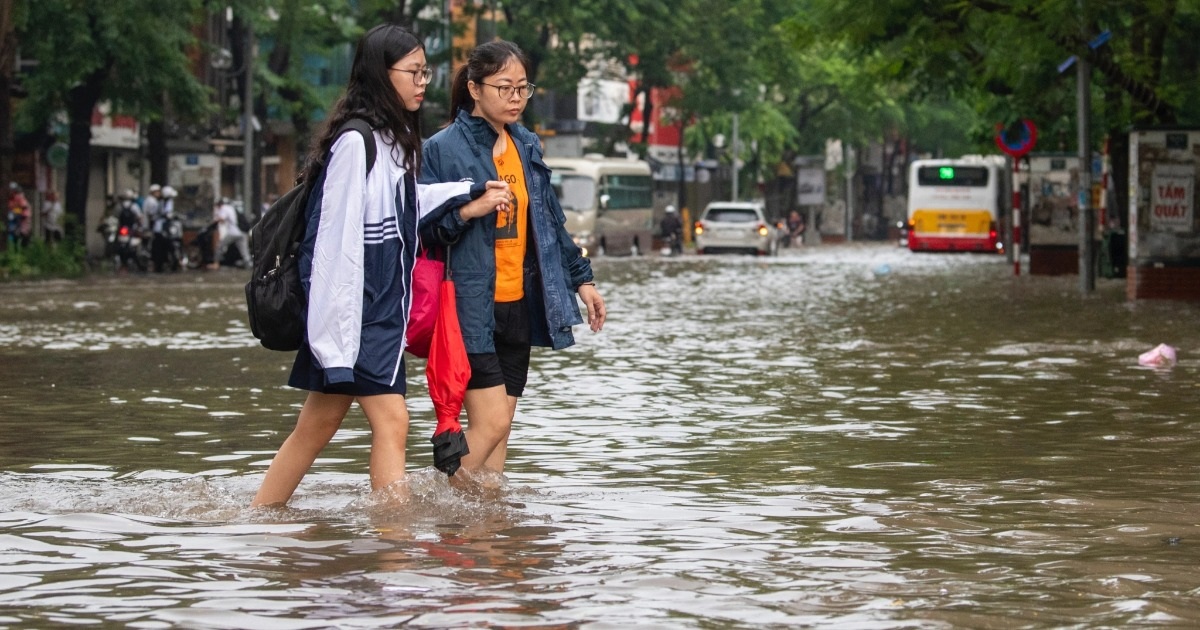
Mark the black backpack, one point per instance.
(275, 299)
(128, 217)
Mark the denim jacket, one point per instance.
(463, 150)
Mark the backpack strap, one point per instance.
(368, 135)
(363, 127)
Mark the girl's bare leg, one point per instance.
(319, 420)
(388, 415)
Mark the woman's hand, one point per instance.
(595, 306)
(495, 197)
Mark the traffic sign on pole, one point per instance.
(1021, 142)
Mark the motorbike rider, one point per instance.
(166, 246)
(130, 225)
(152, 205)
(129, 213)
(152, 208)
(671, 230)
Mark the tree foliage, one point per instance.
(796, 72)
(1003, 56)
(130, 53)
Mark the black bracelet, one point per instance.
(588, 283)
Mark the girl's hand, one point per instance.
(495, 197)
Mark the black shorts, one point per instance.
(509, 364)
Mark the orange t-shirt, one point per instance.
(511, 226)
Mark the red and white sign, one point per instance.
(1171, 198)
(114, 131)
(664, 126)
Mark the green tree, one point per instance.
(1001, 59)
(1003, 55)
(131, 53)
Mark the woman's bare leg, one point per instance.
(496, 460)
(488, 422)
(319, 420)
(388, 416)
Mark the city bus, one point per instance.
(957, 204)
(609, 203)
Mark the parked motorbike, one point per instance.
(785, 237)
(131, 248)
(672, 244)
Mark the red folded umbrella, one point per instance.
(447, 372)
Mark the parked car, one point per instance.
(736, 226)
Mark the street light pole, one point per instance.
(735, 156)
(1087, 279)
(248, 124)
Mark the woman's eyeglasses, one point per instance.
(506, 91)
(420, 77)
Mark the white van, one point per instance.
(609, 203)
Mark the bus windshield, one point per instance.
(953, 175)
(628, 191)
(575, 192)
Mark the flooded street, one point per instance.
(849, 436)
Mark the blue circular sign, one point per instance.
(1021, 142)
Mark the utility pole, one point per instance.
(248, 125)
(849, 163)
(735, 157)
(1087, 277)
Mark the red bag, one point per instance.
(427, 278)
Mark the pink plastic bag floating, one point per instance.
(1161, 356)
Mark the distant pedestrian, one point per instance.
(229, 233)
(19, 215)
(795, 226)
(52, 214)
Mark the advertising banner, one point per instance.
(1171, 201)
(810, 186)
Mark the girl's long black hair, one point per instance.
(371, 96)
(484, 61)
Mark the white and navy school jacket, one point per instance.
(357, 258)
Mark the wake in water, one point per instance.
(425, 498)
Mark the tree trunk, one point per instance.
(156, 138)
(81, 102)
(8, 45)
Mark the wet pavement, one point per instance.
(846, 436)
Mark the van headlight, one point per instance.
(583, 241)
